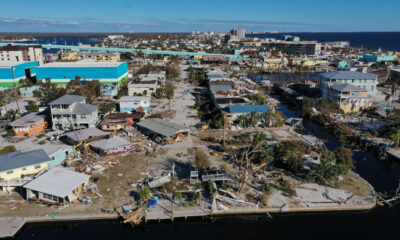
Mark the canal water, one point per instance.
(380, 223)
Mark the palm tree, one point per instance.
(395, 137)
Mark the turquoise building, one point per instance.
(377, 58)
(29, 91)
(63, 72)
(11, 73)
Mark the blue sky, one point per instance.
(202, 15)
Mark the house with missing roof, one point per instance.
(28, 125)
(232, 112)
(17, 168)
(163, 131)
(117, 121)
(58, 186)
(350, 98)
(366, 81)
(113, 145)
(71, 112)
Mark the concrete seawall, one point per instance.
(10, 226)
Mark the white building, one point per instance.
(146, 89)
(21, 53)
(133, 103)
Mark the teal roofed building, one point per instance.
(63, 72)
(377, 58)
(234, 111)
(11, 73)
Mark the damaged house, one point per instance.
(161, 130)
(58, 186)
(113, 145)
(117, 121)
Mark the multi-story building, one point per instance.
(295, 48)
(71, 112)
(236, 35)
(134, 103)
(367, 81)
(97, 56)
(14, 53)
(17, 168)
(350, 98)
(330, 45)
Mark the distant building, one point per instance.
(378, 58)
(97, 56)
(71, 111)
(11, 73)
(63, 72)
(311, 48)
(138, 88)
(349, 97)
(12, 53)
(367, 81)
(134, 103)
(331, 45)
(240, 33)
(236, 35)
(58, 186)
(291, 38)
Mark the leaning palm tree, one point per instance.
(395, 137)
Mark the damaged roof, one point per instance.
(85, 134)
(111, 143)
(57, 181)
(20, 159)
(68, 99)
(161, 127)
(27, 120)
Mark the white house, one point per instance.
(133, 103)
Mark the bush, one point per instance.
(202, 160)
(10, 132)
(8, 149)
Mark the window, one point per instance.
(50, 197)
(83, 116)
(24, 169)
(10, 172)
(53, 158)
(37, 166)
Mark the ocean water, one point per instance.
(386, 40)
